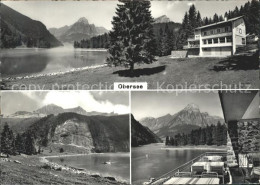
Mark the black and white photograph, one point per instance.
(65, 137)
(79, 45)
(195, 137)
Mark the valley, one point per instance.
(57, 144)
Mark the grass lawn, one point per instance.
(30, 172)
(166, 73)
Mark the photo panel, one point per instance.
(65, 137)
(195, 137)
(86, 45)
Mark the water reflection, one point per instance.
(119, 167)
(159, 162)
(21, 62)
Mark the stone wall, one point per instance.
(179, 54)
(249, 136)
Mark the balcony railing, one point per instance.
(216, 45)
(191, 46)
(217, 35)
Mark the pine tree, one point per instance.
(192, 20)
(167, 141)
(29, 144)
(166, 41)
(215, 18)
(132, 40)
(183, 32)
(220, 18)
(198, 20)
(19, 144)
(209, 140)
(254, 17)
(7, 141)
(206, 21)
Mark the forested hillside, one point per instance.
(210, 135)
(70, 132)
(141, 135)
(18, 29)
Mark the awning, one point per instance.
(239, 105)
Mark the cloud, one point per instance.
(85, 100)
(171, 4)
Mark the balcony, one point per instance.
(194, 38)
(217, 35)
(191, 46)
(227, 44)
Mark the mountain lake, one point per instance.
(152, 161)
(119, 166)
(20, 62)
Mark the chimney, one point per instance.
(225, 18)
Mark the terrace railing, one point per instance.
(163, 178)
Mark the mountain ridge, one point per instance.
(162, 19)
(54, 109)
(76, 133)
(79, 30)
(171, 124)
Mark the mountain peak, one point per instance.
(192, 106)
(83, 20)
(162, 19)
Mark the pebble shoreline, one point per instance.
(54, 73)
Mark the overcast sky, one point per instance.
(99, 101)
(60, 13)
(156, 104)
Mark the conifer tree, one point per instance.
(198, 20)
(183, 32)
(192, 20)
(19, 144)
(132, 39)
(215, 18)
(7, 141)
(29, 144)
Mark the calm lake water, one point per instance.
(158, 161)
(29, 61)
(94, 163)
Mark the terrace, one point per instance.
(208, 168)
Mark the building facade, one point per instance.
(218, 39)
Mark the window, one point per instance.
(211, 32)
(215, 40)
(210, 41)
(226, 29)
(229, 39)
(205, 33)
(240, 30)
(218, 30)
(222, 39)
(204, 41)
(243, 41)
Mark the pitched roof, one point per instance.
(222, 22)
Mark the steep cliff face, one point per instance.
(90, 133)
(73, 132)
(142, 135)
